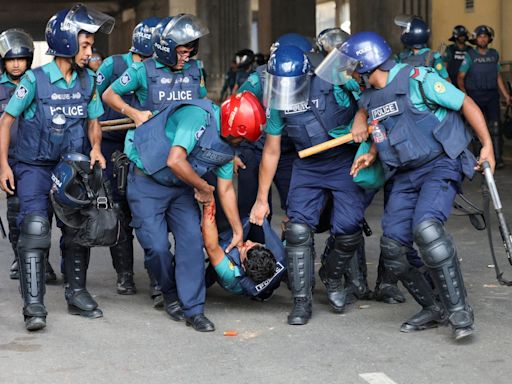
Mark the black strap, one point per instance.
(430, 105)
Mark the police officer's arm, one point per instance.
(211, 234)
(228, 201)
(268, 168)
(359, 126)
(94, 134)
(6, 175)
(503, 89)
(463, 69)
(476, 119)
(177, 161)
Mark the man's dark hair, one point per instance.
(260, 264)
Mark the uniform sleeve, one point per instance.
(23, 95)
(227, 273)
(225, 171)
(130, 80)
(275, 123)
(466, 63)
(95, 107)
(439, 66)
(188, 122)
(253, 85)
(442, 92)
(104, 75)
(498, 61)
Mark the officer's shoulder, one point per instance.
(90, 73)
(137, 65)
(199, 63)
(29, 75)
(420, 73)
(108, 62)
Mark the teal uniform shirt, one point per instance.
(181, 129)
(466, 63)
(104, 73)
(275, 123)
(437, 64)
(6, 81)
(227, 273)
(26, 105)
(253, 85)
(437, 90)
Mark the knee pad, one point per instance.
(348, 243)
(394, 256)
(35, 233)
(297, 235)
(435, 245)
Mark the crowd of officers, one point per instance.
(185, 150)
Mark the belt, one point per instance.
(137, 170)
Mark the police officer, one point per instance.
(111, 69)
(455, 53)
(254, 269)
(56, 106)
(426, 166)
(311, 117)
(170, 154)
(16, 54)
(479, 76)
(244, 62)
(415, 35)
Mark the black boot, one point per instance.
(394, 257)
(14, 272)
(33, 245)
(338, 253)
(440, 257)
(80, 301)
(49, 275)
(155, 292)
(356, 277)
(173, 308)
(299, 253)
(122, 259)
(386, 286)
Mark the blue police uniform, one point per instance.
(42, 95)
(453, 57)
(481, 84)
(425, 154)
(424, 58)
(230, 273)
(161, 202)
(251, 153)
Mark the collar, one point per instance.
(55, 74)
(5, 79)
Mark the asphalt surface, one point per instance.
(135, 343)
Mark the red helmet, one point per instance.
(242, 116)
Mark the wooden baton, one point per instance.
(328, 144)
(119, 127)
(109, 123)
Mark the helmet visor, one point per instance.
(183, 29)
(403, 21)
(285, 93)
(336, 68)
(15, 42)
(332, 39)
(81, 18)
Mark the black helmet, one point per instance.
(459, 30)
(482, 30)
(244, 58)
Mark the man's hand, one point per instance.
(363, 161)
(237, 241)
(7, 180)
(360, 127)
(260, 210)
(204, 196)
(237, 163)
(96, 156)
(486, 154)
(141, 117)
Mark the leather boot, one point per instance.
(386, 286)
(122, 260)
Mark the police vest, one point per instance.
(483, 73)
(5, 95)
(264, 289)
(40, 140)
(153, 146)
(456, 58)
(411, 137)
(308, 124)
(424, 59)
(166, 87)
(118, 68)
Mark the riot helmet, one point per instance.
(329, 39)
(458, 31)
(482, 30)
(244, 58)
(363, 52)
(16, 44)
(63, 28)
(242, 116)
(415, 32)
(183, 29)
(295, 39)
(287, 78)
(142, 43)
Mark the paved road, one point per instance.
(135, 343)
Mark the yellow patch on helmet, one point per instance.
(439, 87)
